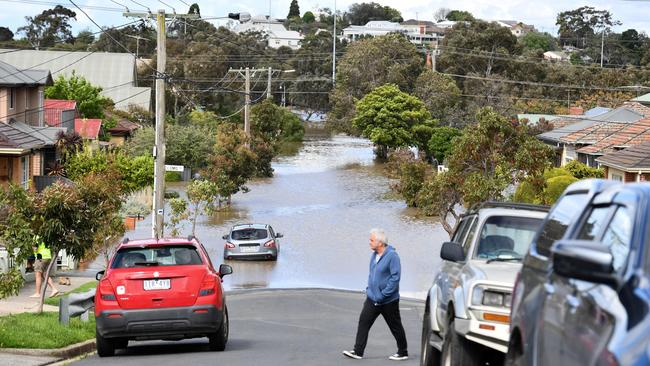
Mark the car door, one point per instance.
(535, 275)
(592, 309)
(559, 290)
(447, 278)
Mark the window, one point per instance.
(177, 255)
(249, 234)
(616, 177)
(558, 221)
(461, 229)
(12, 98)
(506, 235)
(594, 224)
(24, 172)
(467, 243)
(617, 236)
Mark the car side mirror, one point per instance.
(224, 270)
(452, 251)
(584, 260)
(225, 237)
(99, 275)
(278, 235)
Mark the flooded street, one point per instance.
(324, 199)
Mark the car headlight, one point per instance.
(507, 301)
(491, 298)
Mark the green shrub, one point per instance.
(171, 194)
(555, 186)
(173, 177)
(582, 171)
(412, 177)
(525, 192)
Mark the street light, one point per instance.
(243, 17)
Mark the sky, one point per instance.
(541, 14)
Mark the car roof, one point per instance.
(158, 242)
(249, 226)
(516, 212)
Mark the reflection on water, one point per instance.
(324, 199)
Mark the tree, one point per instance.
(484, 161)
(90, 102)
(6, 34)
(85, 37)
(194, 9)
(294, 10)
(536, 41)
(308, 17)
(202, 194)
(360, 14)
(233, 163)
(460, 16)
(441, 142)
(368, 64)
(439, 93)
(50, 27)
(575, 26)
(441, 14)
(387, 116)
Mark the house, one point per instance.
(88, 128)
(643, 99)
(277, 35)
(585, 138)
(517, 28)
(628, 165)
(420, 33)
(122, 131)
(60, 113)
(115, 73)
(27, 145)
(556, 56)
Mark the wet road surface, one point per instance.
(324, 199)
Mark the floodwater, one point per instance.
(325, 199)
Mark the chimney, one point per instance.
(576, 111)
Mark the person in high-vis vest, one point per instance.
(43, 259)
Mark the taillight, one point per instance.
(270, 244)
(207, 286)
(229, 245)
(106, 291)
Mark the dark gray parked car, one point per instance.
(252, 241)
(583, 294)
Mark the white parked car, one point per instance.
(468, 305)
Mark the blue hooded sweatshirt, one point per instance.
(383, 278)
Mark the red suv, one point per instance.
(160, 289)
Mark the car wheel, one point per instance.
(456, 350)
(429, 356)
(514, 357)
(105, 347)
(219, 339)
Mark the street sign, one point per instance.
(174, 168)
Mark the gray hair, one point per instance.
(380, 235)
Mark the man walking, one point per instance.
(382, 297)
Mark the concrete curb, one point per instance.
(70, 351)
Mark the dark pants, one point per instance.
(369, 314)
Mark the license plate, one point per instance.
(157, 284)
(249, 249)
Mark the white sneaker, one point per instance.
(398, 357)
(352, 354)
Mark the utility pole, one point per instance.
(246, 74)
(602, 48)
(158, 214)
(334, 48)
(433, 57)
(268, 84)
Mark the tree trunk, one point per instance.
(46, 275)
(381, 151)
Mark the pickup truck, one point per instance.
(467, 312)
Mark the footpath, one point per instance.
(23, 303)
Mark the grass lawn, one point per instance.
(29, 330)
(54, 301)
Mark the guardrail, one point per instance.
(76, 305)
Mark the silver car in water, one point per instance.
(252, 241)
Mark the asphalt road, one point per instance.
(283, 327)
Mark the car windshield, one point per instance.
(506, 238)
(180, 255)
(249, 234)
